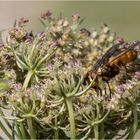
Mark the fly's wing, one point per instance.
(115, 52)
(106, 56)
(124, 50)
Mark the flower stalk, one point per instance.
(5, 131)
(134, 126)
(22, 132)
(31, 129)
(71, 118)
(56, 133)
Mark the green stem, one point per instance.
(56, 133)
(27, 79)
(96, 132)
(102, 131)
(13, 130)
(96, 126)
(71, 118)
(30, 127)
(6, 120)
(11, 127)
(22, 132)
(19, 135)
(134, 127)
(5, 130)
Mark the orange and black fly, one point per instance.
(112, 61)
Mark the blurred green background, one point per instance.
(122, 17)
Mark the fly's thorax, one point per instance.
(107, 72)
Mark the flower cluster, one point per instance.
(42, 83)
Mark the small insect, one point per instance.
(112, 61)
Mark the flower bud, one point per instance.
(94, 34)
(110, 39)
(137, 75)
(45, 15)
(102, 38)
(22, 22)
(119, 40)
(75, 17)
(105, 29)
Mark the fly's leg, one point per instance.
(110, 93)
(98, 90)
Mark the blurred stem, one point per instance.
(6, 121)
(98, 121)
(96, 132)
(27, 79)
(13, 130)
(102, 127)
(3, 127)
(30, 127)
(96, 126)
(134, 127)
(22, 131)
(102, 131)
(19, 135)
(71, 117)
(56, 130)
(5, 130)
